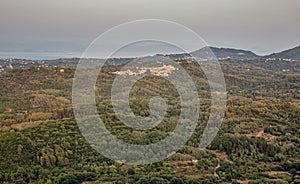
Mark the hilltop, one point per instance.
(293, 54)
(226, 53)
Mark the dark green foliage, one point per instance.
(259, 135)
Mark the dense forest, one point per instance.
(259, 140)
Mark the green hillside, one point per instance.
(258, 142)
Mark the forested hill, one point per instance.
(226, 53)
(258, 142)
(293, 54)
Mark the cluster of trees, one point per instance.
(259, 134)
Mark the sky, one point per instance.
(69, 26)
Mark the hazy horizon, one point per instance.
(44, 55)
(41, 27)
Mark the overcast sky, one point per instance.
(263, 26)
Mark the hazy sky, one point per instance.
(263, 26)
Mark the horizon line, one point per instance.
(54, 55)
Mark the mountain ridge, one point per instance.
(222, 53)
(293, 53)
(226, 53)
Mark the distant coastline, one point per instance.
(39, 55)
(293, 53)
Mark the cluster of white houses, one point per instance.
(279, 59)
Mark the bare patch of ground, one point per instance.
(271, 173)
(261, 133)
(243, 181)
(20, 126)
